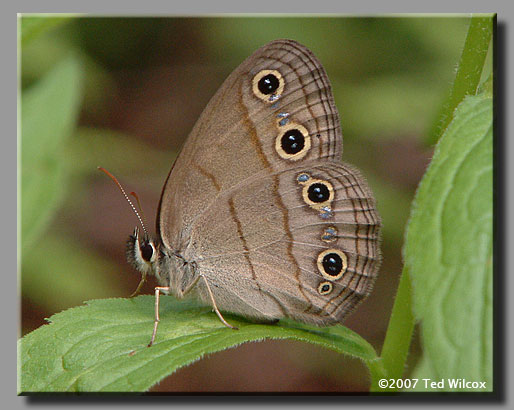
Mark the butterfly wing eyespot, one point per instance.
(324, 288)
(332, 263)
(317, 193)
(268, 85)
(293, 142)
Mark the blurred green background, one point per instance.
(124, 93)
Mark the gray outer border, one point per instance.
(201, 7)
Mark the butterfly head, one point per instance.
(142, 253)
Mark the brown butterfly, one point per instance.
(258, 215)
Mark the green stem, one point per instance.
(469, 71)
(398, 335)
(377, 372)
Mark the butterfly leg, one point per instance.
(216, 307)
(158, 291)
(138, 289)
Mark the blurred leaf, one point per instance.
(470, 69)
(103, 346)
(354, 48)
(241, 36)
(33, 26)
(59, 273)
(49, 111)
(441, 36)
(93, 147)
(40, 56)
(449, 247)
(389, 107)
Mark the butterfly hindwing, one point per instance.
(282, 237)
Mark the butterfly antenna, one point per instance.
(126, 197)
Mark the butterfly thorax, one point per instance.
(170, 268)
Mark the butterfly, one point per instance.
(258, 215)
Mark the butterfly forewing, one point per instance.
(235, 137)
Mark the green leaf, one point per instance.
(103, 346)
(49, 111)
(420, 372)
(448, 249)
(486, 88)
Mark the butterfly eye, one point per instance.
(332, 263)
(147, 251)
(268, 85)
